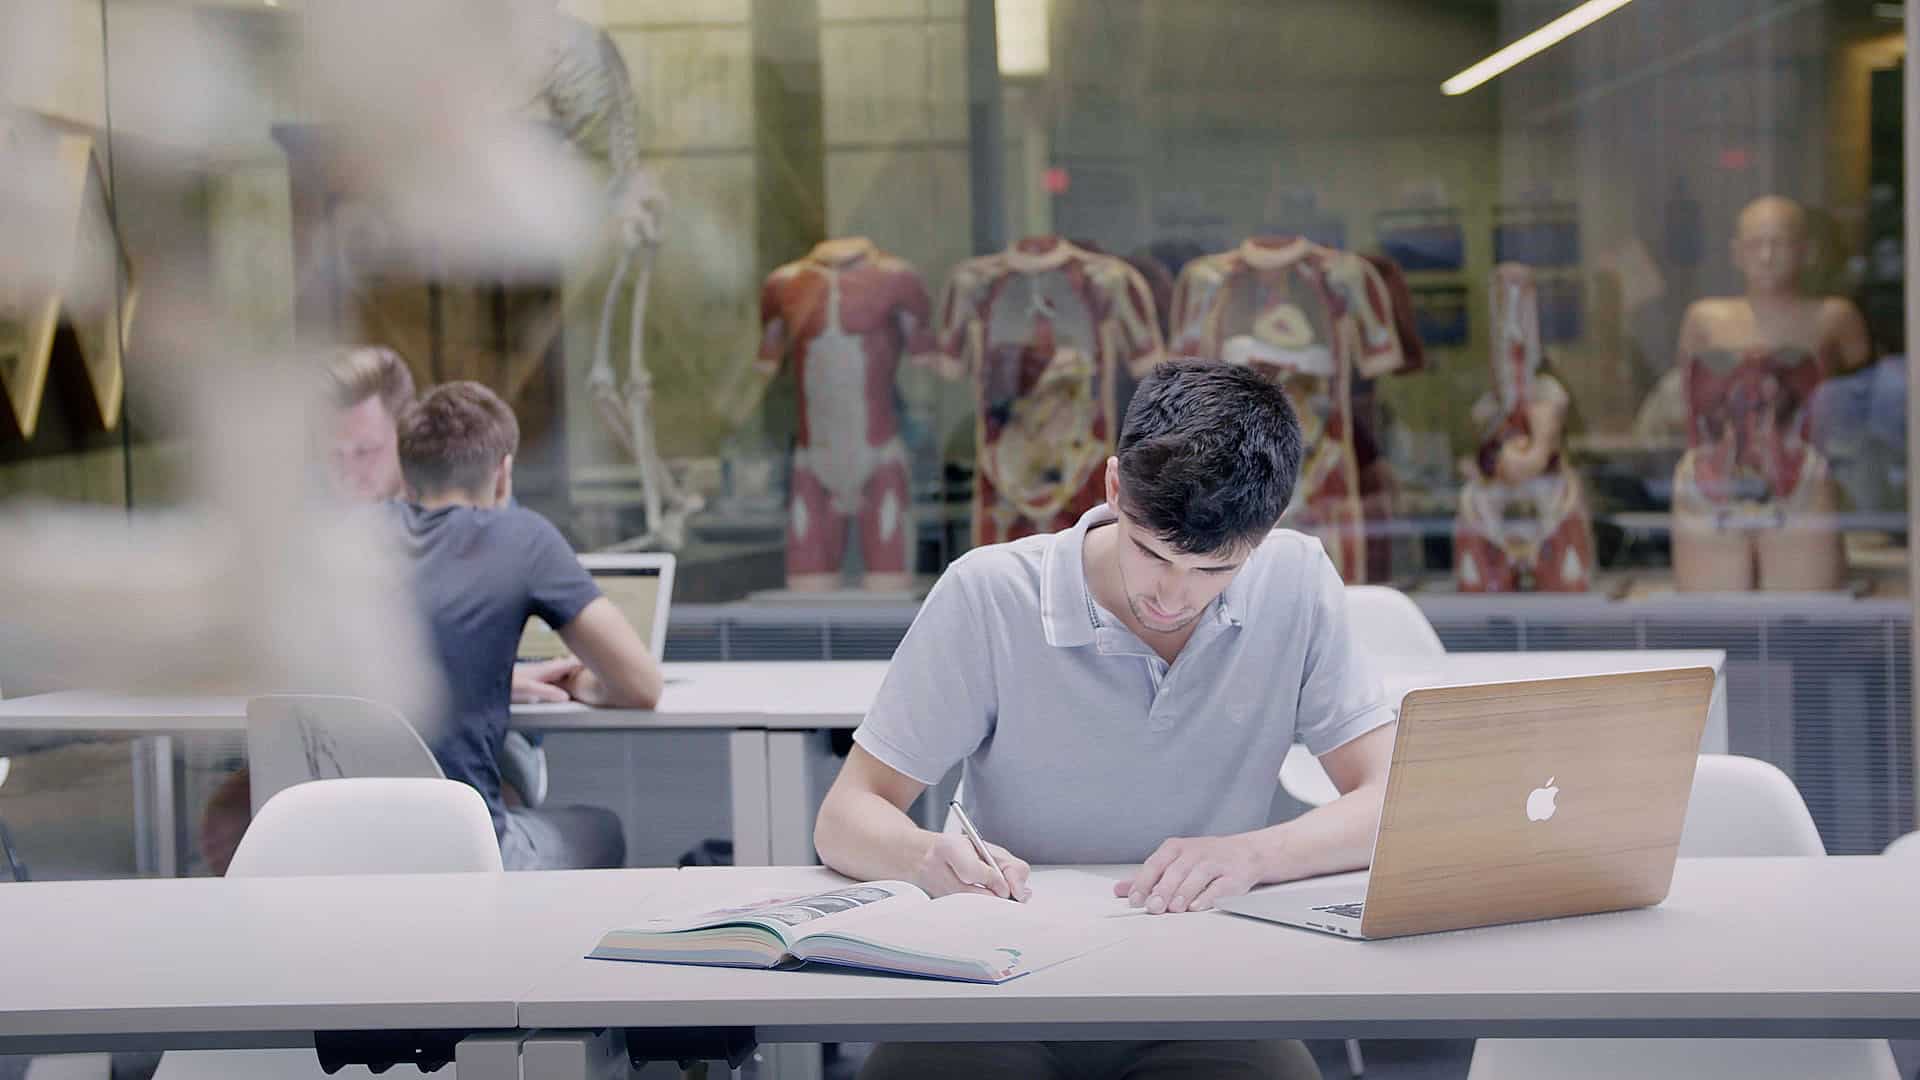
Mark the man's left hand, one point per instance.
(1191, 873)
(543, 681)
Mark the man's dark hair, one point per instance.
(1208, 456)
(453, 438)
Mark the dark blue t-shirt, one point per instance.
(478, 574)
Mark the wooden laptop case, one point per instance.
(1456, 847)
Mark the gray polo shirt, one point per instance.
(1083, 746)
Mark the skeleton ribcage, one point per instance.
(589, 96)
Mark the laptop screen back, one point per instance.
(635, 590)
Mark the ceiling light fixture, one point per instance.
(1537, 42)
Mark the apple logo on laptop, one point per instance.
(1540, 803)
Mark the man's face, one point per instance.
(1168, 589)
(364, 460)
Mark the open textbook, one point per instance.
(889, 926)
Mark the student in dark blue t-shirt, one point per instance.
(482, 566)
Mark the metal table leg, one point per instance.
(747, 773)
(790, 809)
(572, 1055)
(156, 819)
(492, 1056)
(790, 799)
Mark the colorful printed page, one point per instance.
(966, 937)
(755, 934)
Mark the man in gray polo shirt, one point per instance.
(1124, 692)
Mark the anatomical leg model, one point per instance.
(1727, 546)
(822, 516)
(628, 411)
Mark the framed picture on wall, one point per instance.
(1562, 314)
(1440, 311)
(1422, 239)
(1537, 234)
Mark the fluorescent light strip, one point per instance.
(1537, 42)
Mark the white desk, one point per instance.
(250, 962)
(771, 709)
(1815, 948)
(1743, 947)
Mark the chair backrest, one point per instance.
(1303, 777)
(369, 825)
(293, 738)
(1908, 845)
(1744, 806)
(1382, 621)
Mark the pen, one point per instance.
(979, 847)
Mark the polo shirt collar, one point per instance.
(1236, 600)
(1066, 607)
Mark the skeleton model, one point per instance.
(846, 315)
(1523, 522)
(1309, 318)
(587, 95)
(1044, 328)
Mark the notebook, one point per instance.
(888, 926)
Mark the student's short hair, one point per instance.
(1209, 454)
(365, 371)
(453, 439)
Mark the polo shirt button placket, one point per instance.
(1162, 715)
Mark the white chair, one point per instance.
(1739, 807)
(1302, 777)
(1385, 625)
(370, 825)
(293, 738)
(1742, 806)
(1908, 845)
(1385, 622)
(367, 825)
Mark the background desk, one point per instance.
(1821, 947)
(771, 710)
(804, 697)
(741, 698)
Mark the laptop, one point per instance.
(1508, 802)
(641, 586)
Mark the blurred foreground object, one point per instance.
(62, 268)
(258, 584)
